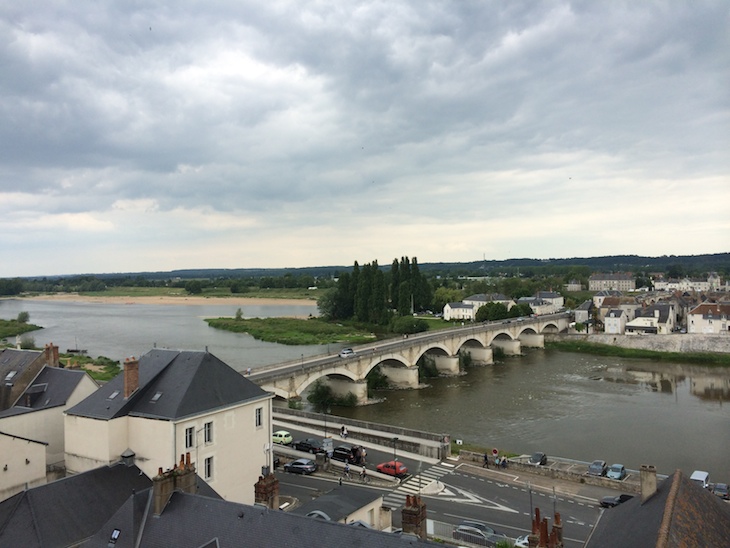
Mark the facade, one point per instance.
(23, 464)
(615, 322)
(711, 283)
(709, 318)
(657, 319)
(620, 281)
(556, 299)
(481, 299)
(39, 411)
(169, 403)
(599, 297)
(458, 311)
(573, 285)
(538, 306)
(584, 312)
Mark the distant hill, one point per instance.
(719, 262)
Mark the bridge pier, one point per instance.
(532, 341)
(511, 348)
(343, 387)
(481, 356)
(447, 364)
(401, 377)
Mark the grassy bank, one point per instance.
(254, 293)
(294, 331)
(698, 358)
(11, 328)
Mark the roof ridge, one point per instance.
(666, 525)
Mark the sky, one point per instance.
(152, 136)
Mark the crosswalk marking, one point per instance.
(395, 499)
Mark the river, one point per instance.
(570, 405)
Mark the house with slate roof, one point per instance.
(168, 403)
(615, 322)
(674, 514)
(480, 299)
(38, 412)
(458, 311)
(345, 505)
(18, 368)
(657, 319)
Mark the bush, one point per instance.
(23, 317)
(27, 343)
(407, 325)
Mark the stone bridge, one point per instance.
(398, 359)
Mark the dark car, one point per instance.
(538, 459)
(301, 466)
(344, 453)
(614, 500)
(721, 490)
(309, 445)
(597, 468)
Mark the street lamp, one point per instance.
(395, 440)
(326, 410)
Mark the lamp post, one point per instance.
(395, 440)
(326, 410)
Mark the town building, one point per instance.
(458, 311)
(620, 281)
(615, 322)
(709, 319)
(168, 403)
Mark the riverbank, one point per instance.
(167, 300)
(685, 343)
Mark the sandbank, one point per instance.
(168, 300)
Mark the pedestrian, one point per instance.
(504, 462)
(364, 475)
(346, 471)
(486, 461)
(343, 432)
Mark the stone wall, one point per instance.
(661, 343)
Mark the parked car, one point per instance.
(721, 490)
(614, 500)
(616, 471)
(281, 436)
(476, 536)
(481, 526)
(701, 478)
(392, 468)
(522, 542)
(344, 453)
(538, 459)
(597, 468)
(309, 445)
(301, 466)
(347, 353)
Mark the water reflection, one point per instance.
(707, 384)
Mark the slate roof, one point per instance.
(338, 503)
(198, 521)
(586, 305)
(68, 510)
(51, 388)
(648, 312)
(680, 514)
(460, 305)
(16, 360)
(188, 382)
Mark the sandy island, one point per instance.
(182, 299)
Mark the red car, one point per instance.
(392, 468)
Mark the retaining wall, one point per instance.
(687, 342)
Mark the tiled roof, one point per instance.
(188, 383)
(51, 388)
(680, 514)
(195, 520)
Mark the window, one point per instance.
(259, 417)
(208, 432)
(209, 468)
(189, 437)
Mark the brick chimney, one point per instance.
(131, 376)
(413, 516)
(182, 477)
(647, 476)
(51, 355)
(266, 491)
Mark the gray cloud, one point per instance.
(219, 134)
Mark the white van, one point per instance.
(701, 478)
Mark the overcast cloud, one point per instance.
(162, 135)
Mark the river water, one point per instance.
(570, 405)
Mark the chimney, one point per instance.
(647, 475)
(186, 479)
(413, 516)
(51, 355)
(266, 491)
(163, 485)
(131, 376)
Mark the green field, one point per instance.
(294, 331)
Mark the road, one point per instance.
(496, 497)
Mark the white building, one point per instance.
(618, 281)
(458, 311)
(709, 318)
(23, 464)
(169, 403)
(615, 322)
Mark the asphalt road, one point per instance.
(499, 498)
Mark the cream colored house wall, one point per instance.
(91, 443)
(22, 465)
(371, 514)
(47, 425)
(153, 443)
